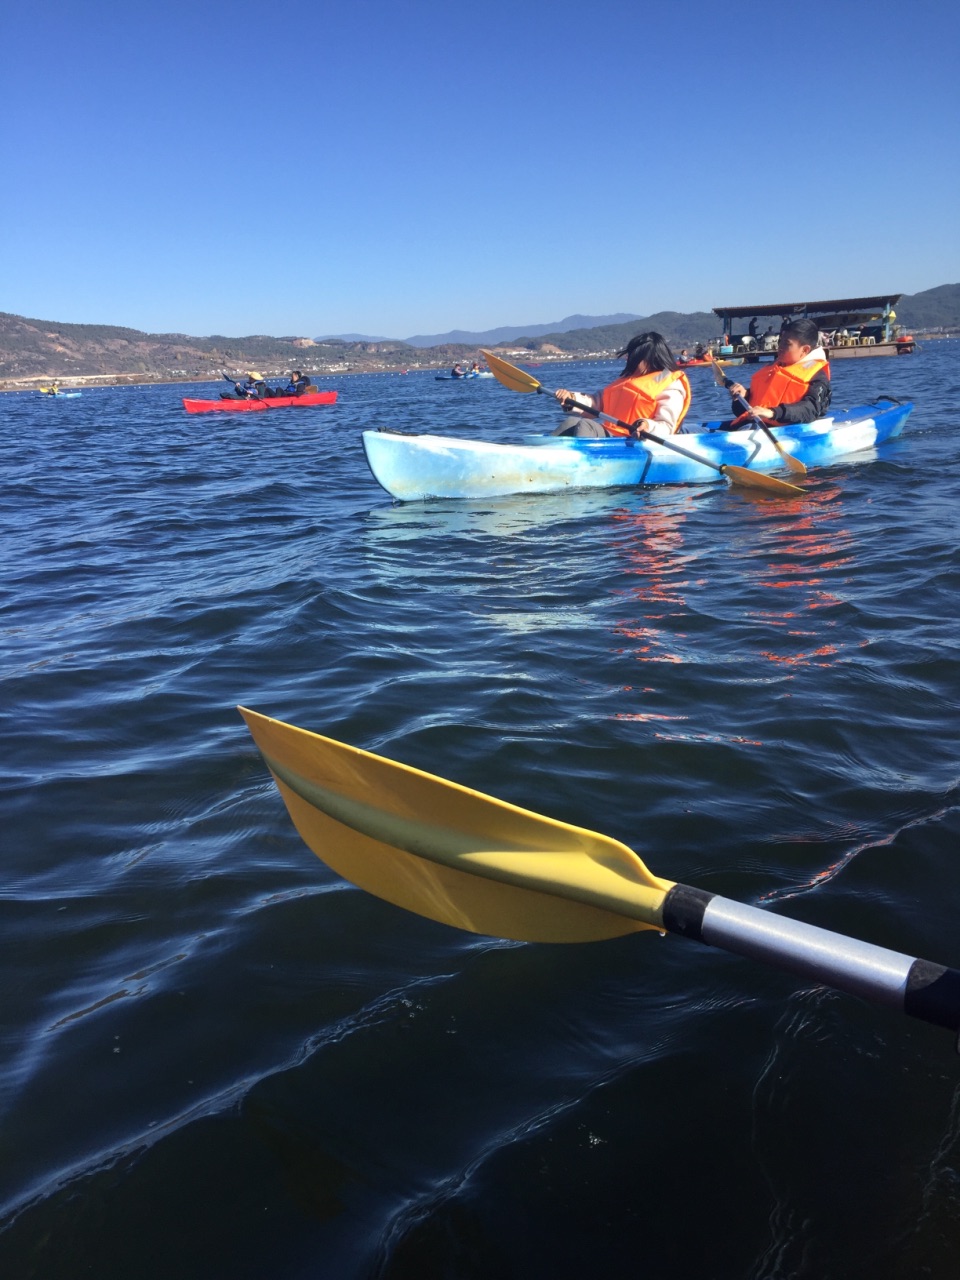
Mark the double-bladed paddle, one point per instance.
(462, 858)
(742, 407)
(515, 379)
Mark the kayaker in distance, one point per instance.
(253, 386)
(297, 385)
(796, 387)
(457, 371)
(475, 368)
(651, 394)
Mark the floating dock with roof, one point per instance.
(849, 327)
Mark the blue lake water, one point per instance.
(219, 1060)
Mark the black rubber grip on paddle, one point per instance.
(683, 911)
(933, 994)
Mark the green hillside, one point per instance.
(937, 308)
(679, 329)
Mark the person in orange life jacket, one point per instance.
(651, 394)
(796, 387)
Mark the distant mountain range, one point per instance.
(509, 332)
(36, 349)
(490, 337)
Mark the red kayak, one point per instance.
(253, 406)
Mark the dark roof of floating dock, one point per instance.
(811, 308)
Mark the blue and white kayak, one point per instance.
(456, 377)
(411, 467)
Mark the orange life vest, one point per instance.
(783, 383)
(631, 398)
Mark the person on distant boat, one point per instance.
(651, 394)
(796, 387)
(475, 368)
(684, 357)
(298, 384)
(253, 386)
(698, 351)
(457, 371)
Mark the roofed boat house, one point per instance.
(849, 327)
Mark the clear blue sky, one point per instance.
(412, 167)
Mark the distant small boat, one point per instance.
(231, 405)
(60, 395)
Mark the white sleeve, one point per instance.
(667, 411)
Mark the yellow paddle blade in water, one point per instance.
(760, 480)
(452, 854)
(513, 378)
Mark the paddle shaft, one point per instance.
(916, 987)
(638, 433)
(518, 380)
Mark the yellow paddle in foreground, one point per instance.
(519, 380)
(741, 405)
(465, 859)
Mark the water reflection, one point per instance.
(814, 546)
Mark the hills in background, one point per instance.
(31, 350)
(490, 337)
(509, 333)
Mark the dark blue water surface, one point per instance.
(221, 1061)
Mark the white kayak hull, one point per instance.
(412, 467)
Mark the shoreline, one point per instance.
(98, 381)
(78, 382)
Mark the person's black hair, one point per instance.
(295, 373)
(803, 330)
(651, 349)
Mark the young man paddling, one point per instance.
(796, 387)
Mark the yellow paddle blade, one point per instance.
(759, 480)
(452, 854)
(793, 463)
(513, 378)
